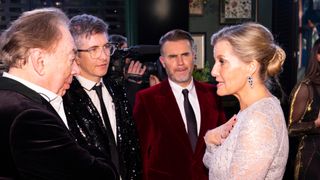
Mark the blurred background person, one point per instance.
(97, 109)
(120, 41)
(133, 70)
(257, 147)
(130, 68)
(304, 120)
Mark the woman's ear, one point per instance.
(36, 57)
(253, 67)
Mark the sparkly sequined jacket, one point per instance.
(86, 125)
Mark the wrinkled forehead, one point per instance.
(86, 38)
(176, 44)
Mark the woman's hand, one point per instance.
(219, 134)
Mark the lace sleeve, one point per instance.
(208, 155)
(298, 107)
(256, 147)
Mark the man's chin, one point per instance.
(183, 79)
(63, 92)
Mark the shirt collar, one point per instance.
(178, 89)
(45, 93)
(86, 83)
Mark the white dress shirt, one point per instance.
(193, 98)
(87, 86)
(54, 99)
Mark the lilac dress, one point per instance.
(256, 148)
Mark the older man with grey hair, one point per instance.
(40, 54)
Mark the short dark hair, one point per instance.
(118, 39)
(176, 35)
(86, 25)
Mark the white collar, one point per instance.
(178, 89)
(86, 83)
(45, 93)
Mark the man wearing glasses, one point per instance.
(97, 108)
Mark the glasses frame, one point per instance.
(112, 48)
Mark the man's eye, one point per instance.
(94, 49)
(186, 54)
(171, 56)
(107, 46)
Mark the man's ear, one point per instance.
(161, 58)
(78, 60)
(36, 57)
(194, 57)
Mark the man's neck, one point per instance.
(91, 78)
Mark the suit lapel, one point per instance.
(84, 103)
(12, 85)
(205, 104)
(204, 108)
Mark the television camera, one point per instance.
(148, 55)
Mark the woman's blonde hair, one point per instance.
(252, 41)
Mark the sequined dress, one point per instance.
(256, 148)
(304, 109)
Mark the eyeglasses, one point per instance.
(95, 52)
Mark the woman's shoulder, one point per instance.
(265, 111)
(301, 89)
(265, 104)
(303, 84)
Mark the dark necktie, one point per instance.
(112, 143)
(191, 120)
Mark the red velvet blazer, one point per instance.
(165, 146)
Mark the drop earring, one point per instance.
(250, 81)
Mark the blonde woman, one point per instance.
(246, 56)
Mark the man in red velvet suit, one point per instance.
(171, 132)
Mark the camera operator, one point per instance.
(133, 71)
(132, 68)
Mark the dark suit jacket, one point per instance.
(166, 149)
(86, 125)
(36, 143)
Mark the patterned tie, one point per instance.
(112, 143)
(191, 120)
